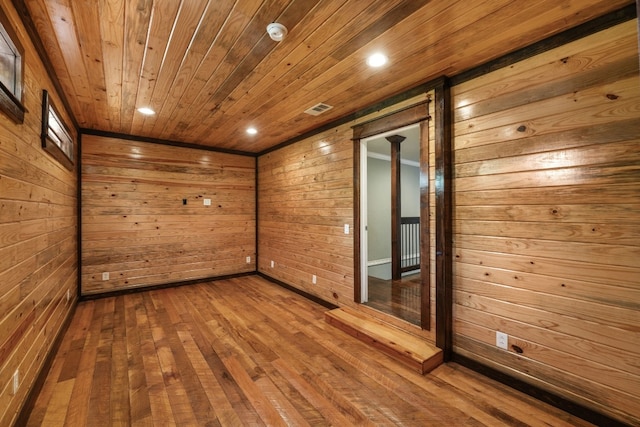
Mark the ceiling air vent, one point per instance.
(318, 109)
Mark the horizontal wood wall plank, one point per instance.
(547, 193)
(38, 236)
(137, 227)
(305, 197)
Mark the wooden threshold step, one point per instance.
(407, 348)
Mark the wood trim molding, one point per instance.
(425, 226)
(637, 15)
(11, 105)
(88, 297)
(407, 116)
(179, 144)
(293, 289)
(79, 214)
(443, 208)
(559, 402)
(11, 100)
(357, 223)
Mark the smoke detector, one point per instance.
(277, 31)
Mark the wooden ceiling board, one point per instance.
(112, 39)
(226, 51)
(154, 74)
(281, 83)
(283, 67)
(287, 88)
(209, 28)
(242, 67)
(137, 17)
(209, 70)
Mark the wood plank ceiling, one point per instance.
(210, 71)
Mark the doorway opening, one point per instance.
(390, 219)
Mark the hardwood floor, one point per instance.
(400, 298)
(247, 352)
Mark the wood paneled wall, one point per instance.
(134, 223)
(38, 235)
(547, 220)
(305, 197)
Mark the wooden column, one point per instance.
(396, 215)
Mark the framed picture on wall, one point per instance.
(56, 139)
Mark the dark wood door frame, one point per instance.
(414, 114)
(444, 219)
(638, 14)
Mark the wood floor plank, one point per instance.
(244, 351)
(158, 397)
(77, 412)
(139, 404)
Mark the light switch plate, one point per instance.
(207, 202)
(16, 382)
(502, 340)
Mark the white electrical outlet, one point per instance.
(502, 340)
(105, 275)
(313, 279)
(16, 382)
(248, 260)
(207, 202)
(346, 229)
(273, 264)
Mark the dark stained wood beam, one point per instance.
(444, 213)
(357, 223)
(425, 228)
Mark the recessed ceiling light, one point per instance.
(252, 131)
(146, 111)
(376, 60)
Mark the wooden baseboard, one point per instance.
(559, 402)
(307, 295)
(36, 388)
(162, 286)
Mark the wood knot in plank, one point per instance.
(612, 96)
(517, 349)
(522, 128)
